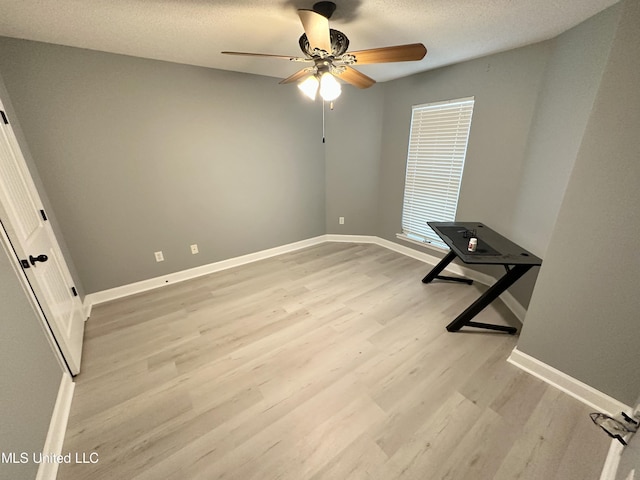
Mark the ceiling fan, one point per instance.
(326, 49)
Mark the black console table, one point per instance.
(492, 249)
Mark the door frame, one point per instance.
(39, 303)
(14, 260)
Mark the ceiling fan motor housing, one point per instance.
(337, 61)
(325, 9)
(339, 44)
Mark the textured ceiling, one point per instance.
(196, 31)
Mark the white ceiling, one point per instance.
(196, 31)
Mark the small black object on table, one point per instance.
(492, 249)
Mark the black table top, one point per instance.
(493, 248)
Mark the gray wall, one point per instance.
(572, 76)
(531, 108)
(583, 317)
(35, 175)
(141, 155)
(162, 162)
(571, 81)
(30, 375)
(354, 131)
(505, 87)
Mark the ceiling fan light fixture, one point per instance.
(330, 88)
(310, 86)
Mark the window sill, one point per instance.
(427, 245)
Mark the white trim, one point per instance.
(86, 307)
(433, 246)
(425, 257)
(438, 140)
(444, 102)
(569, 385)
(334, 237)
(157, 282)
(57, 428)
(152, 283)
(411, 252)
(582, 392)
(515, 306)
(612, 462)
(33, 301)
(509, 300)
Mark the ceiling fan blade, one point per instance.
(296, 76)
(317, 29)
(356, 78)
(398, 53)
(284, 57)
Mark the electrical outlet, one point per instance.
(159, 256)
(341, 220)
(194, 249)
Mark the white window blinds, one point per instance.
(437, 150)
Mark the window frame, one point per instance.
(436, 156)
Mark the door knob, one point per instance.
(39, 258)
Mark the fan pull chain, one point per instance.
(323, 121)
(331, 108)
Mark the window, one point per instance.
(437, 149)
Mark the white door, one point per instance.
(35, 245)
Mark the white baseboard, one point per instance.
(334, 237)
(157, 282)
(57, 428)
(611, 464)
(423, 256)
(153, 283)
(614, 457)
(581, 391)
(432, 260)
(515, 306)
(512, 304)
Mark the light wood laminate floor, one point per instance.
(331, 362)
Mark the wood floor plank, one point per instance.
(480, 451)
(539, 453)
(361, 460)
(424, 452)
(331, 362)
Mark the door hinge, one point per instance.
(4, 117)
(25, 263)
(44, 215)
(74, 291)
